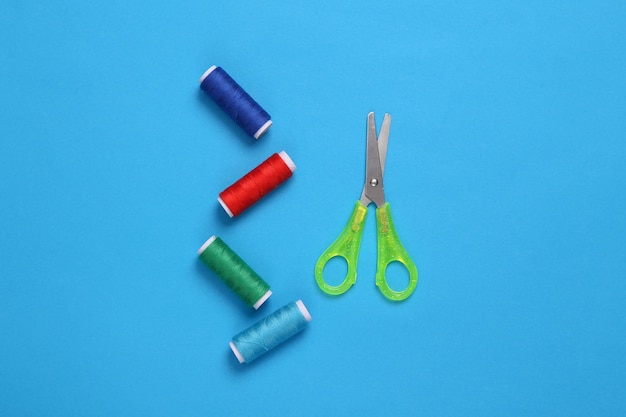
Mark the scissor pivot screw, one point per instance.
(374, 182)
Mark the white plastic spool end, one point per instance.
(236, 352)
(206, 244)
(224, 206)
(263, 299)
(263, 129)
(206, 73)
(303, 310)
(287, 160)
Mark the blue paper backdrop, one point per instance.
(506, 174)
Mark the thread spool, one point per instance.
(234, 272)
(235, 101)
(255, 184)
(269, 332)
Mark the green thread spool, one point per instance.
(234, 272)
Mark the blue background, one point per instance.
(506, 175)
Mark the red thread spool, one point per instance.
(255, 184)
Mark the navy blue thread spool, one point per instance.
(235, 102)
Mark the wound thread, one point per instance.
(235, 102)
(255, 184)
(234, 272)
(271, 331)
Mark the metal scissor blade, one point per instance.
(373, 190)
(383, 140)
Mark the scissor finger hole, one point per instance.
(335, 271)
(397, 276)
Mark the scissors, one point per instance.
(348, 243)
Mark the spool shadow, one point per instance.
(221, 216)
(215, 111)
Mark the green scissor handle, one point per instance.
(346, 246)
(391, 250)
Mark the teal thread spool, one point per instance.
(234, 272)
(270, 332)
